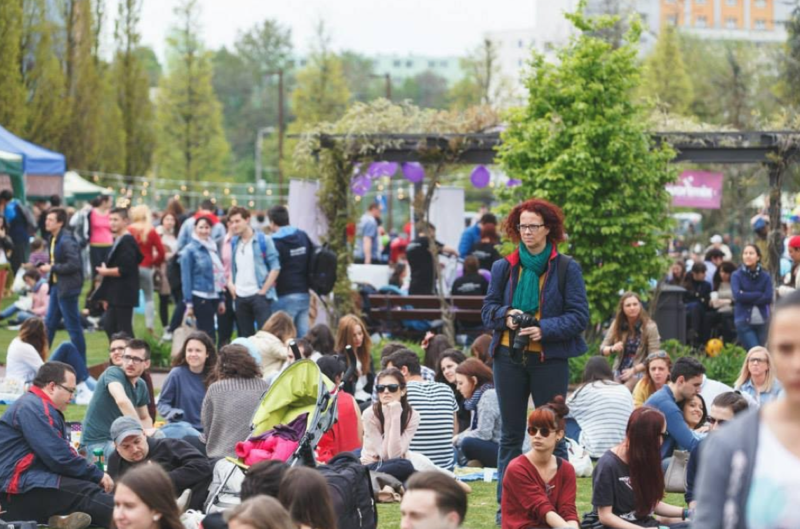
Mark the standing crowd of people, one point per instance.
(413, 419)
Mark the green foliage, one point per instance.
(12, 89)
(724, 367)
(191, 143)
(665, 73)
(426, 90)
(483, 82)
(790, 65)
(132, 91)
(149, 61)
(160, 352)
(112, 148)
(321, 93)
(582, 143)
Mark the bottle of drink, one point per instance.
(97, 455)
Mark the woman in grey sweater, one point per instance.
(231, 400)
(480, 442)
(750, 471)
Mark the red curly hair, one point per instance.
(552, 216)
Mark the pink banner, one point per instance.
(697, 189)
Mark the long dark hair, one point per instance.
(436, 346)
(644, 458)
(377, 409)
(453, 354)
(154, 487)
(345, 335)
(234, 362)
(304, 493)
(321, 339)
(727, 267)
(211, 351)
(597, 369)
(33, 332)
(472, 367)
(704, 418)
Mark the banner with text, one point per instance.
(697, 189)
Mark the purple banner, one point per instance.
(697, 189)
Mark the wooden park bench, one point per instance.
(389, 311)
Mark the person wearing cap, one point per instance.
(791, 281)
(185, 465)
(718, 243)
(42, 477)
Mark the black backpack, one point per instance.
(174, 272)
(351, 492)
(322, 270)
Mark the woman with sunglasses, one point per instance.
(631, 337)
(757, 378)
(628, 482)
(389, 426)
(656, 373)
(477, 445)
(750, 472)
(540, 488)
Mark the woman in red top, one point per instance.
(539, 488)
(347, 432)
(153, 250)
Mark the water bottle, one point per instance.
(97, 455)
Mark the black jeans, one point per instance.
(118, 319)
(397, 468)
(514, 382)
(73, 495)
(19, 254)
(163, 310)
(251, 314)
(226, 322)
(180, 309)
(204, 312)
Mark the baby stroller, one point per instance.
(300, 389)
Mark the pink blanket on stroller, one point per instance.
(276, 444)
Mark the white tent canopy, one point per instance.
(76, 188)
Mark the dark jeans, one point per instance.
(573, 429)
(204, 312)
(697, 329)
(118, 319)
(751, 335)
(68, 353)
(19, 254)
(251, 314)
(163, 310)
(481, 450)
(65, 307)
(180, 309)
(398, 468)
(73, 495)
(225, 322)
(97, 255)
(514, 382)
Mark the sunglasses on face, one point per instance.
(713, 421)
(393, 388)
(544, 432)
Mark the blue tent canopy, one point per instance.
(35, 160)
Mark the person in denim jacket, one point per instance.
(203, 278)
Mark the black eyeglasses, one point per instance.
(544, 432)
(393, 388)
(533, 228)
(71, 391)
(712, 421)
(134, 359)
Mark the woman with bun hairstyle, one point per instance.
(632, 336)
(628, 481)
(540, 488)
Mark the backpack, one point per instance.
(174, 272)
(351, 492)
(322, 270)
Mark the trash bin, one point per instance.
(670, 313)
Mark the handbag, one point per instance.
(579, 458)
(675, 477)
(180, 335)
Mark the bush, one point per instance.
(160, 352)
(724, 367)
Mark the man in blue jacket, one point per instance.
(295, 250)
(41, 476)
(685, 381)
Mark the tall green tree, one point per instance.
(362, 81)
(149, 60)
(582, 142)
(665, 73)
(112, 149)
(191, 142)
(49, 106)
(790, 65)
(426, 89)
(321, 93)
(483, 82)
(12, 88)
(133, 91)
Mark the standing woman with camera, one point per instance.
(527, 283)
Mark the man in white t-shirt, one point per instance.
(436, 405)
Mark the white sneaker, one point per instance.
(166, 337)
(83, 395)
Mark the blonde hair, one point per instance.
(744, 374)
(141, 221)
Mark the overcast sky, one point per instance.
(430, 27)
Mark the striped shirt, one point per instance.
(602, 410)
(436, 405)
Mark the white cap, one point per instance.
(716, 239)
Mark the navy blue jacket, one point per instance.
(294, 250)
(563, 319)
(35, 447)
(747, 293)
(67, 264)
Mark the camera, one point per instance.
(523, 320)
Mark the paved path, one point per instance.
(158, 378)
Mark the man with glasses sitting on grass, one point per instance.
(120, 391)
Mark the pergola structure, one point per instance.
(773, 149)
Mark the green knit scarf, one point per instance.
(526, 296)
